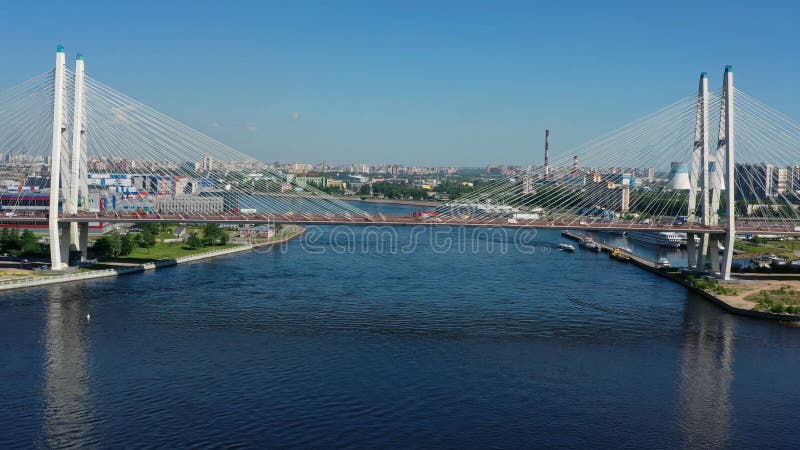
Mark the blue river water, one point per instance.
(393, 338)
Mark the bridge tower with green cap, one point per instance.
(77, 195)
(64, 236)
(725, 151)
(57, 251)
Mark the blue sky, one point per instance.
(434, 82)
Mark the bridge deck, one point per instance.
(398, 220)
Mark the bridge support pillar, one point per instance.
(83, 240)
(64, 244)
(691, 251)
(714, 253)
(74, 237)
(54, 227)
(77, 173)
(726, 140)
(702, 252)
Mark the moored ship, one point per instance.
(659, 238)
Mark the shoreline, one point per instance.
(152, 265)
(390, 201)
(728, 304)
(733, 304)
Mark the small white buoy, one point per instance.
(88, 317)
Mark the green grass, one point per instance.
(782, 300)
(769, 247)
(166, 235)
(710, 286)
(168, 251)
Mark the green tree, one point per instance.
(4, 238)
(10, 239)
(211, 233)
(28, 237)
(152, 226)
(194, 241)
(127, 244)
(364, 190)
(147, 239)
(29, 244)
(116, 243)
(398, 191)
(333, 190)
(102, 247)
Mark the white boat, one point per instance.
(663, 263)
(589, 244)
(565, 247)
(659, 238)
(720, 247)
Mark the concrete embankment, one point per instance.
(733, 305)
(153, 265)
(387, 201)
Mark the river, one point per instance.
(404, 337)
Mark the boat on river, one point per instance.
(565, 247)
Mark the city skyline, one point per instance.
(388, 83)
(416, 224)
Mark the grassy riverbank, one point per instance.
(140, 259)
(161, 252)
(784, 299)
(286, 233)
(789, 249)
(774, 294)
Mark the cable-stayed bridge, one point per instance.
(78, 152)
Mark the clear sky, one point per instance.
(435, 82)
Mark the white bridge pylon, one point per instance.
(95, 126)
(706, 176)
(120, 125)
(66, 236)
(89, 118)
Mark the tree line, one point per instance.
(24, 244)
(116, 244)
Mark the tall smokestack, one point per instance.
(575, 171)
(547, 154)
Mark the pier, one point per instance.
(729, 303)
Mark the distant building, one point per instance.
(794, 179)
(780, 179)
(754, 180)
(207, 164)
(332, 183)
(319, 181)
(262, 231)
(527, 182)
(190, 204)
(300, 168)
(361, 168)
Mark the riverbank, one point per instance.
(735, 296)
(288, 233)
(426, 203)
(112, 268)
